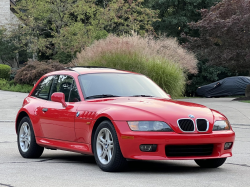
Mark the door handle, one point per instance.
(44, 109)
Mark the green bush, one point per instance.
(4, 71)
(163, 60)
(11, 86)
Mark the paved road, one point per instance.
(10, 103)
(61, 168)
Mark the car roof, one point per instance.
(87, 70)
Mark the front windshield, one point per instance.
(119, 85)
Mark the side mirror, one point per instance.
(59, 97)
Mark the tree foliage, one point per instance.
(224, 35)
(58, 29)
(174, 15)
(124, 16)
(8, 49)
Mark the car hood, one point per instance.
(131, 108)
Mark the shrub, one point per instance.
(34, 70)
(11, 86)
(247, 91)
(163, 60)
(5, 71)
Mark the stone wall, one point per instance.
(7, 18)
(4, 12)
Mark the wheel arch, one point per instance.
(20, 116)
(97, 122)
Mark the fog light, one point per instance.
(148, 147)
(228, 145)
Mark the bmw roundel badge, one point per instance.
(191, 116)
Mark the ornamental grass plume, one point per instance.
(163, 60)
(167, 48)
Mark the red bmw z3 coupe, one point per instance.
(118, 115)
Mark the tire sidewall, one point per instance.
(110, 127)
(32, 137)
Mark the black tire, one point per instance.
(210, 163)
(117, 161)
(34, 150)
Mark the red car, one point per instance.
(117, 115)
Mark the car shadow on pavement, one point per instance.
(169, 166)
(69, 158)
(134, 166)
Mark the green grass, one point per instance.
(246, 101)
(12, 86)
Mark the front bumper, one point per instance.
(131, 140)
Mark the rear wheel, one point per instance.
(210, 163)
(26, 141)
(106, 148)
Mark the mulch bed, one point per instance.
(241, 99)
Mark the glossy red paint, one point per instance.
(130, 147)
(59, 97)
(69, 125)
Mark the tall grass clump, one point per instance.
(162, 60)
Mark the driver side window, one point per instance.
(66, 85)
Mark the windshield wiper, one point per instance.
(142, 96)
(101, 96)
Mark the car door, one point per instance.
(58, 121)
(39, 97)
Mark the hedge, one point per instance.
(5, 71)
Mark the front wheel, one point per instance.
(210, 163)
(106, 148)
(26, 141)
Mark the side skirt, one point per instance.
(64, 145)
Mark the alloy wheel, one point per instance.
(25, 137)
(104, 146)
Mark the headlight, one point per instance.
(221, 125)
(149, 126)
